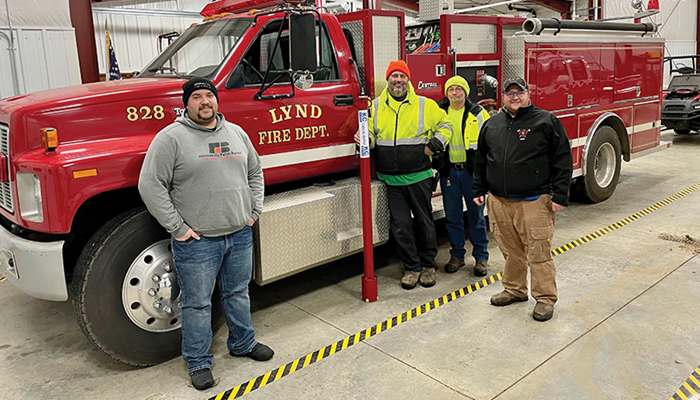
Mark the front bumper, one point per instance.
(33, 267)
(680, 114)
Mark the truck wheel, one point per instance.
(122, 288)
(682, 131)
(602, 166)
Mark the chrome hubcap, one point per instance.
(604, 168)
(150, 294)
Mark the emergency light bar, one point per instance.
(240, 6)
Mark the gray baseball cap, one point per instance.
(515, 81)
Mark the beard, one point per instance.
(202, 117)
(398, 90)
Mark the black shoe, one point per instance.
(202, 379)
(259, 353)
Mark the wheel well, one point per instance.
(91, 215)
(621, 131)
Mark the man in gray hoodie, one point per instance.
(203, 181)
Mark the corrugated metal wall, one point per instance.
(45, 59)
(134, 37)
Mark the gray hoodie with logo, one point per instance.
(210, 180)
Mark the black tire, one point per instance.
(603, 162)
(97, 292)
(682, 131)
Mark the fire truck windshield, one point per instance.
(200, 51)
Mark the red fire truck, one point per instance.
(71, 215)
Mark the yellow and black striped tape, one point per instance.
(625, 221)
(690, 389)
(351, 340)
(358, 337)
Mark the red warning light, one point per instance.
(240, 6)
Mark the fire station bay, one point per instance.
(350, 199)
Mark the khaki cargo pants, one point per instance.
(524, 232)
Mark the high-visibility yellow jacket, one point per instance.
(472, 121)
(399, 136)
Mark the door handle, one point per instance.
(343, 100)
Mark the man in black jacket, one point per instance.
(524, 161)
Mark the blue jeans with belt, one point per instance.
(200, 263)
(458, 185)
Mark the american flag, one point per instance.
(113, 73)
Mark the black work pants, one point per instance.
(416, 241)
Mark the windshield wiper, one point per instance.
(163, 68)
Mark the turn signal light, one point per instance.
(84, 173)
(49, 138)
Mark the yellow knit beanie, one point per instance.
(459, 81)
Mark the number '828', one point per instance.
(133, 114)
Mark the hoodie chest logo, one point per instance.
(219, 147)
(219, 151)
(522, 134)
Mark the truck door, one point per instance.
(308, 134)
(638, 78)
(568, 77)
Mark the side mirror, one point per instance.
(303, 80)
(302, 42)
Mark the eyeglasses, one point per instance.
(512, 94)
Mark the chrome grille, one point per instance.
(5, 187)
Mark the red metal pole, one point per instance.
(369, 280)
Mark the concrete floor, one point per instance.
(625, 326)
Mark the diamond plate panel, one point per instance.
(358, 37)
(431, 10)
(385, 39)
(473, 38)
(307, 227)
(513, 57)
(6, 200)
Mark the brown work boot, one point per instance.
(543, 312)
(504, 298)
(481, 268)
(410, 279)
(454, 265)
(427, 278)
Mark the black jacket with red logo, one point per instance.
(523, 156)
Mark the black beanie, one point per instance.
(197, 83)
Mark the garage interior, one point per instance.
(628, 271)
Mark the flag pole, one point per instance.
(107, 66)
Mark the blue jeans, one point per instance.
(200, 263)
(460, 184)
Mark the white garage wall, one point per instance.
(134, 37)
(45, 51)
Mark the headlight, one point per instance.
(29, 193)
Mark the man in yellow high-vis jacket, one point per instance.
(456, 171)
(405, 131)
